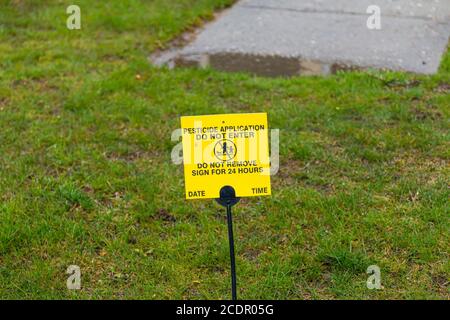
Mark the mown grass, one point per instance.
(86, 176)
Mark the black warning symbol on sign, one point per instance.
(225, 150)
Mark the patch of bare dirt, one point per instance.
(431, 113)
(164, 215)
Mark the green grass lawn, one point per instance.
(86, 176)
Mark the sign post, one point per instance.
(228, 199)
(226, 157)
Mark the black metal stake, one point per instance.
(228, 199)
(232, 257)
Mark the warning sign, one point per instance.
(226, 150)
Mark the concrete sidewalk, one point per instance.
(309, 37)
